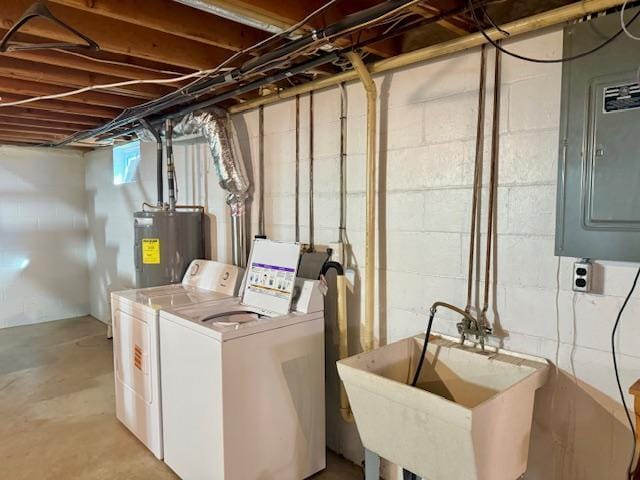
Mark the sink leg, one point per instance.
(371, 465)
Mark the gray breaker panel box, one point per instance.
(165, 244)
(598, 203)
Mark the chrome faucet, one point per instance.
(469, 326)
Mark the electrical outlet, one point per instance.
(582, 276)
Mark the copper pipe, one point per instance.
(495, 134)
(477, 181)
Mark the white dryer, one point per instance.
(134, 315)
(243, 384)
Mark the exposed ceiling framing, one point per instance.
(158, 39)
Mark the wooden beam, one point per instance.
(40, 124)
(103, 113)
(117, 36)
(453, 24)
(173, 17)
(127, 70)
(550, 18)
(33, 89)
(24, 70)
(26, 112)
(285, 14)
(24, 136)
(10, 127)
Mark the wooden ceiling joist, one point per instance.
(24, 70)
(118, 37)
(10, 129)
(102, 113)
(170, 16)
(25, 87)
(37, 125)
(454, 24)
(28, 136)
(286, 14)
(53, 117)
(125, 70)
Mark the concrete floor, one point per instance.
(57, 412)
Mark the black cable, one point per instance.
(472, 10)
(615, 367)
(416, 375)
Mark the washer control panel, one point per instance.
(215, 276)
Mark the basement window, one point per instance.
(126, 159)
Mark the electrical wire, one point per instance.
(115, 62)
(107, 86)
(201, 74)
(623, 25)
(481, 29)
(127, 118)
(615, 367)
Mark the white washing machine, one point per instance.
(243, 380)
(134, 316)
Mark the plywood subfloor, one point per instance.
(57, 412)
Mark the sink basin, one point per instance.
(469, 417)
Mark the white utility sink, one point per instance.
(468, 418)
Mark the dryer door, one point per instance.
(131, 351)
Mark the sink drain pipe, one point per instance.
(343, 335)
(367, 337)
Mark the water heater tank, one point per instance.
(165, 243)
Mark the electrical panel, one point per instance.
(598, 203)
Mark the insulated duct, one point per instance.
(216, 127)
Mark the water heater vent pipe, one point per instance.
(216, 127)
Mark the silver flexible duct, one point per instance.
(217, 128)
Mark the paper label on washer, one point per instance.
(273, 280)
(271, 276)
(151, 251)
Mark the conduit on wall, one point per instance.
(297, 190)
(311, 215)
(261, 231)
(216, 127)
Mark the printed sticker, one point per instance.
(271, 279)
(151, 251)
(619, 98)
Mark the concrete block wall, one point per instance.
(426, 145)
(43, 231)
(427, 122)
